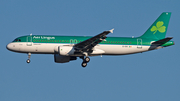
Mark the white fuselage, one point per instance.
(52, 48)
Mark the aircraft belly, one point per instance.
(121, 49)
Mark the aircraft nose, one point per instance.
(9, 46)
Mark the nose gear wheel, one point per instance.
(29, 56)
(28, 61)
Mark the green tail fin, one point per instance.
(159, 28)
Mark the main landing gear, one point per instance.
(85, 61)
(29, 56)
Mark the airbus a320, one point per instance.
(68, 48)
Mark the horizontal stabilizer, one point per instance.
(162, 41)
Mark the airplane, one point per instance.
(68, 48)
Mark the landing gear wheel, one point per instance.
(29, 56)
(87, 59)
(28, 61)
(84, 64)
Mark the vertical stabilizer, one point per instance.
(159, 28)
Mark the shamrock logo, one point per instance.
(159, 27)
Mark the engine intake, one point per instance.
(63, 59)
(66, 50)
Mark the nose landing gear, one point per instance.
(28, 61)
(29, 56)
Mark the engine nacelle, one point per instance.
(63, 59)
(66, 50)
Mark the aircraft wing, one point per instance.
(87, 45)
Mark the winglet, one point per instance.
(111, 30)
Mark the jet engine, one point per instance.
(63, 59)
(66, 50)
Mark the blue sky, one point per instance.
(149, 76)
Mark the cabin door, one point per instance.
(29, 41)
(139, 43)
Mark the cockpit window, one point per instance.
(17, 40)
